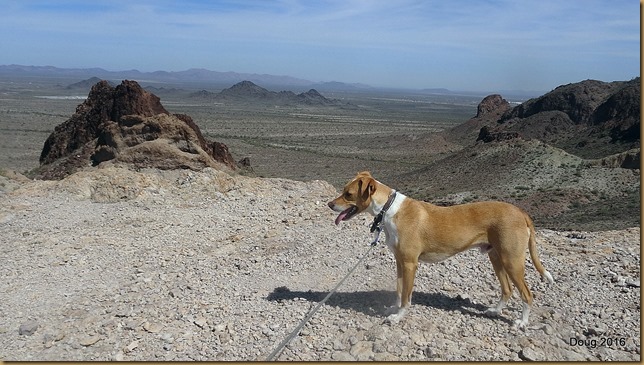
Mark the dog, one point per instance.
(417, 230)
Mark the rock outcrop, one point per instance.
(591, 119)
(620, 113)
(492, 104)
(626, 160)
(577, 100)
(488, 134)
(127, 124)
(488, 112)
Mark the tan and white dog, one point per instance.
(417, 230)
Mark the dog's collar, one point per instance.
(378, 219)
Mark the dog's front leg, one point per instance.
(399, 280)
(406, 273)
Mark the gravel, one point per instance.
(112, 264)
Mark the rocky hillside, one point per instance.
(570, 158)
(126, 124)
(247, 91)
(180, 265)
(590, 119)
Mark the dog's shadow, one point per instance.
(375, 303)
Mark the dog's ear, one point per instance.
(364, 173)
(371, 186)
(366, 187)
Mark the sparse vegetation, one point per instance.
(404, 141)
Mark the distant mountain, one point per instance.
(313, 97)
(202, 94)
(87, 84)
(247, 91)
(20, 70)
(203, 75)
(193, 75)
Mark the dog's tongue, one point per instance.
(342, 215)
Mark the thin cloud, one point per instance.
(331, 36)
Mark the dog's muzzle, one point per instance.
(345, 214)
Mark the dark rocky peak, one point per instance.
(127, 124)
(492, 103)
(130, 98)
(620, 113)
(577, 100)
(590, 119)
(103, 103)
(488, 113)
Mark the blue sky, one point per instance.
(481, 45)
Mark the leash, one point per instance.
(297, 329)
(376, 226)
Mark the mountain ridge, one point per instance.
(202, 75)
(199, 75)
(591, 118)
(247, 91)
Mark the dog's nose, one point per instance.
(330, 204)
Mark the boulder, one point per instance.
(488, 134)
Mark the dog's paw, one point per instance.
(520, 324)
(396, 317)
(392, 310)
(496, 310)
(392, 319)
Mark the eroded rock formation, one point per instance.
(126, 124)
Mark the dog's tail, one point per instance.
(532, 247)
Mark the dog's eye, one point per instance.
(347, 195)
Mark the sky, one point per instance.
(479, 45)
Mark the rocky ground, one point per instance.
(112, 264)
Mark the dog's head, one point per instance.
(355, 197)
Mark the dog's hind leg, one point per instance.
(516, 272)
(504, 280)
